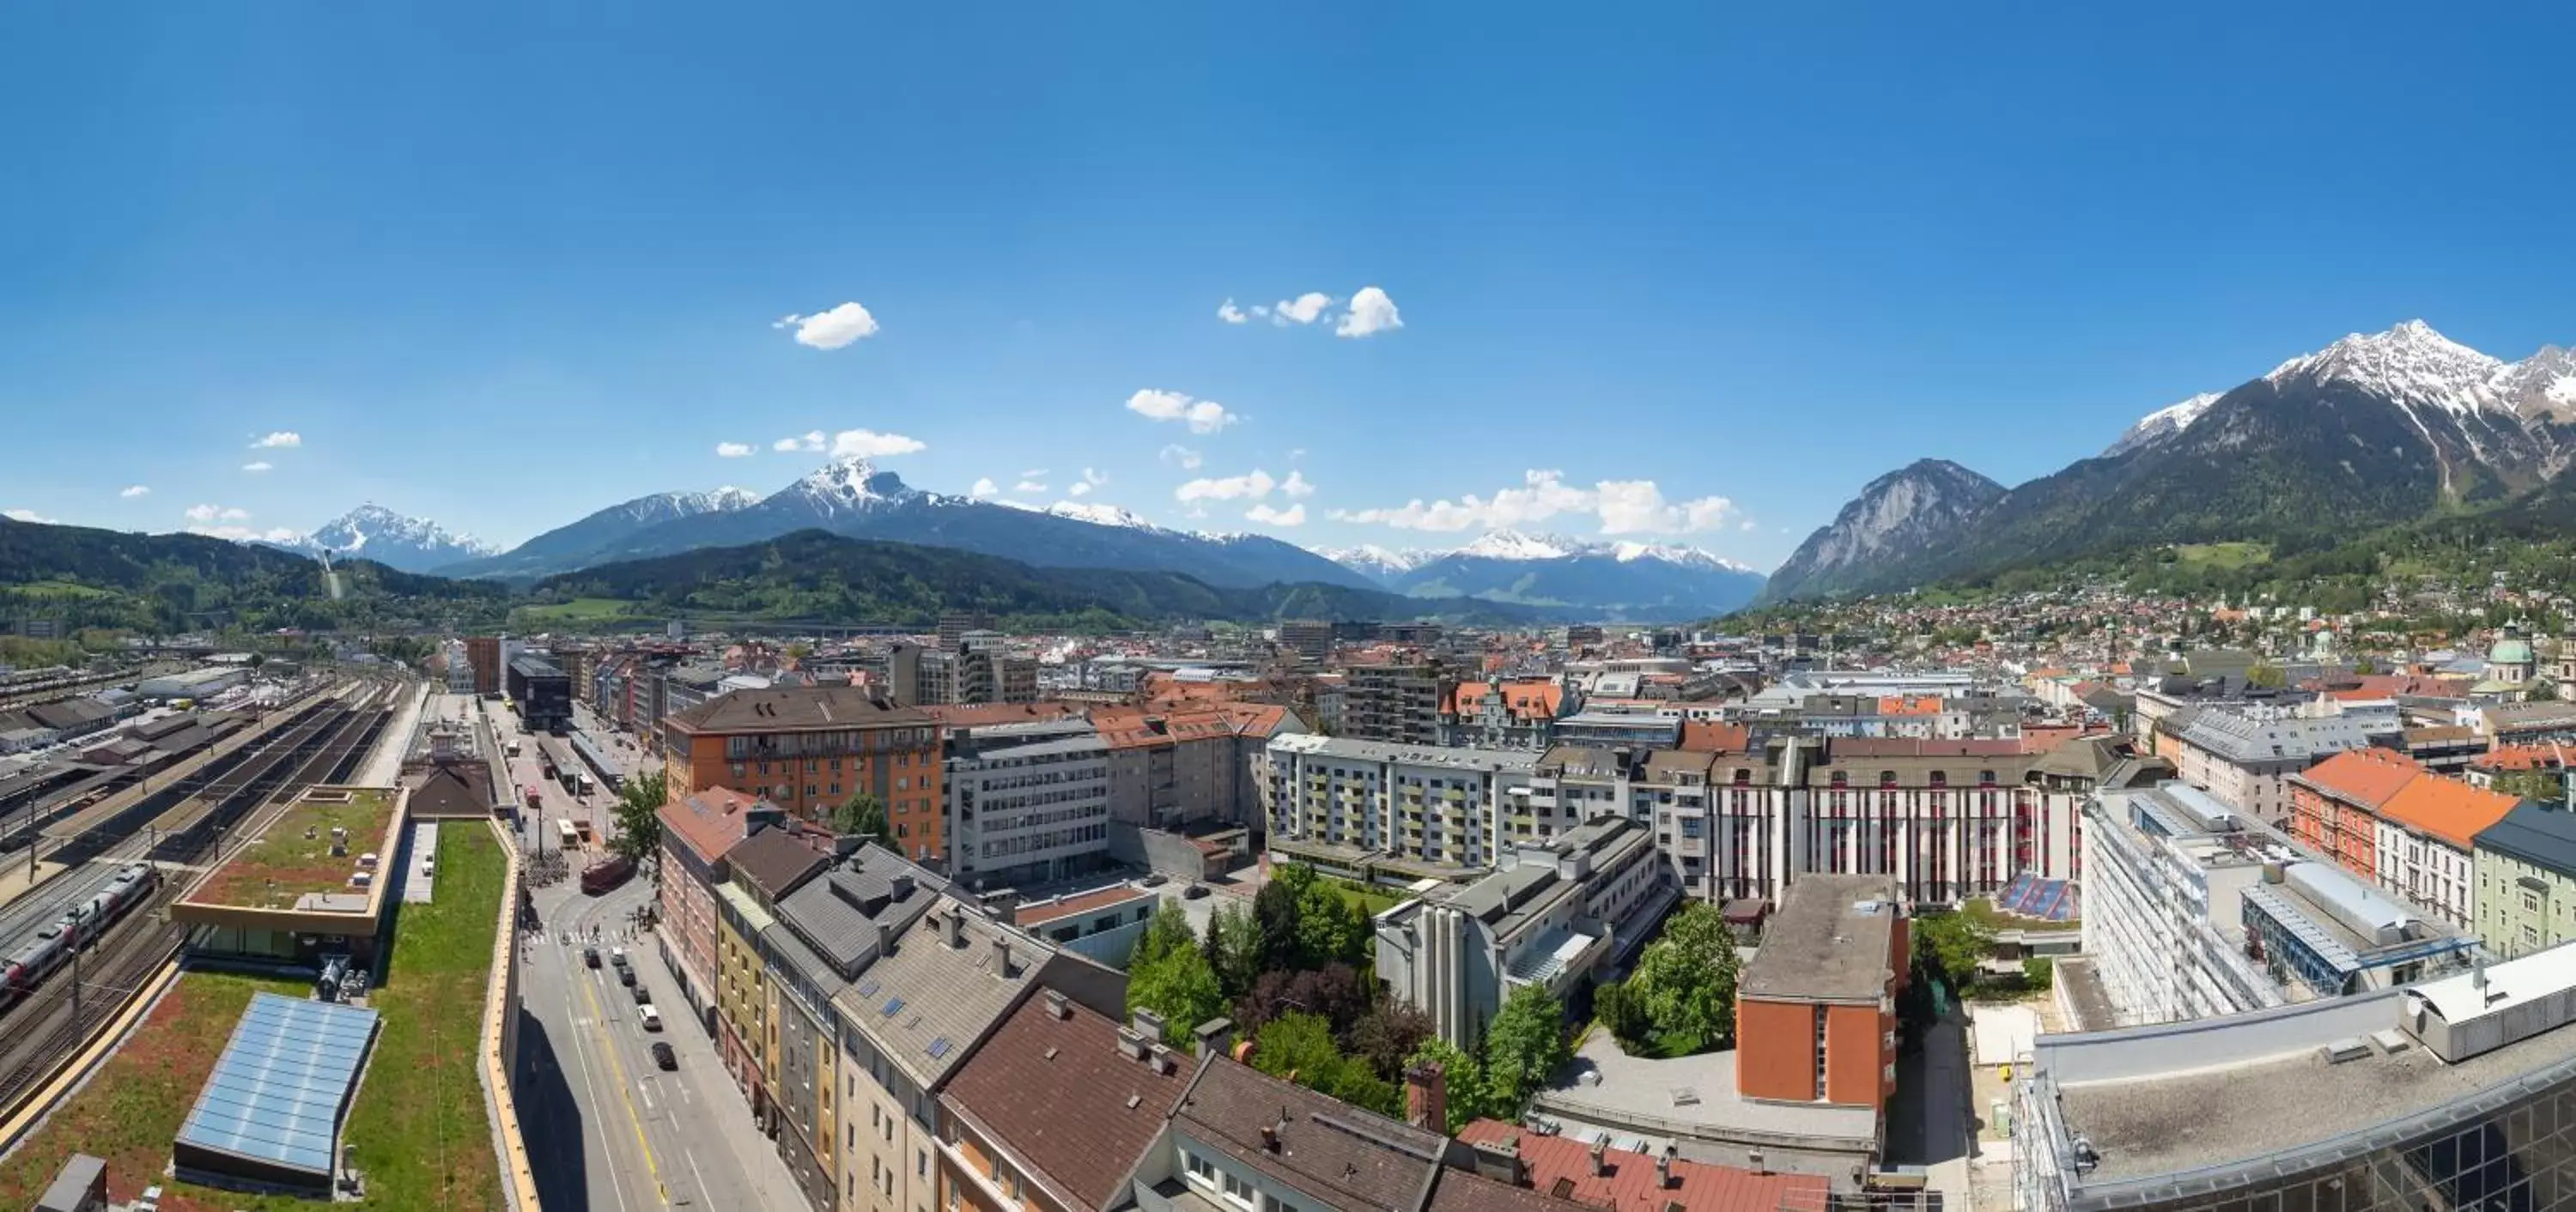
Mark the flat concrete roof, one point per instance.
(2172, 1123)
(1829, 942)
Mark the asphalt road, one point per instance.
(589, 1089)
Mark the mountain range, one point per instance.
(2375, 429)
(373, 532)
(850, 497)
(1622, 579)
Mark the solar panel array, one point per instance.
(2047, 900)
(276, 1092)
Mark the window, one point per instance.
(1198, 1167)
(1238, 1191)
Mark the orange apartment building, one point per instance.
(1815, 1013)
(2335, 805)
(809, 749)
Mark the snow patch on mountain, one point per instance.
(2410, 364)
(1514, 545)
(2163, 423)
(849, 484)
(1099, 514)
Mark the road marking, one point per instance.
(581, 1055)
(631, 1117)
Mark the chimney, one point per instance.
(1165, 1060)
(1501, 1161)
(954, 926)
(1270, 1138)
(1600, 1157)
(1426, 1098)
(1004, 906)
(1664, 1166)
(1001, 956)
(1057, 1007)
(1146, 1022)
(1215, 1036)
(1132, 1043)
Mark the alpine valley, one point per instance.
(2374, 430)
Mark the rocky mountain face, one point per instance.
(850, 497)
(373, 532)
(2374, 429)
(1899, 517)
(1622, 579)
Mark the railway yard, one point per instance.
(113, 848)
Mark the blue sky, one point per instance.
(500, 267)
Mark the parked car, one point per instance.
(1194, 892)
(617, 956)
(590, 957)
(1157, 880)
(664, 1056)
(625, 975)
(642, 994)
(650, 1017)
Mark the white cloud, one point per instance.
(1034, 473)
(1230, 313)
(1296, 485)
(1748, 527)
(257, 467)
(1622, 507)
(1180, 456)
(1294, 515)
(869, 444)
(733, 450)
(217, 513)
(1080, 490)
(983, 488)
(25, 515)
(134, 490)
(1304, 309)
(286, 438)
(1370, 312)
(810, 441)
(1252, 487)
(1261, 309)
(1202, 416)
(831, 329)
(1028, 486)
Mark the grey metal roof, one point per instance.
(2542, 836)
(837, 912)
(926, 1005)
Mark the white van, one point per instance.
(650, 1017)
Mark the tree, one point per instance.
(1234, 949)
(1953, 944)
(1300, 1046)
(1524, 1045)
(2267, 676)
(1388, 1034)
(1330, 928)
(1165, 932)
(2540, 785)
(638, 813)
(2540, 690)
(1460, 1075)
(2037, 973)
(1616, 1007)
(1333, 991)
(865, 816)
(2364, 666)
(1274, 918)
(1180, 987)
(1685, 981)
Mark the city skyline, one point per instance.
(1239, 273)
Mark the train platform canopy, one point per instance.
(270, 1115)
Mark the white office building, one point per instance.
(1028, 802)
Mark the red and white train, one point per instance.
(78, 927)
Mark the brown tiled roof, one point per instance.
(451, 789)
(1031, 916)
(1562, 1167)
(1335, 1153)
(793, 709)
(775, 861)
(1060, 1096)
(710, 822)
(1468, 1191)
(1709, 736)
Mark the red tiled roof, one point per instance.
(1628, 1182)
(710, 822)
(2518, 757)
(1040, 913)
(2364, 777)
(1709, 736)
(2447, 808)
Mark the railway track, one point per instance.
(45, 1029)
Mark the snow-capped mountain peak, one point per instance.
(1514, 545)
(2410, 364)
(2163, 423)
(1673, 553)
(395, 540)
(846, 484)
(1100, 514)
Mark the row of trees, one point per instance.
(1681, 998)
(1292, 971)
